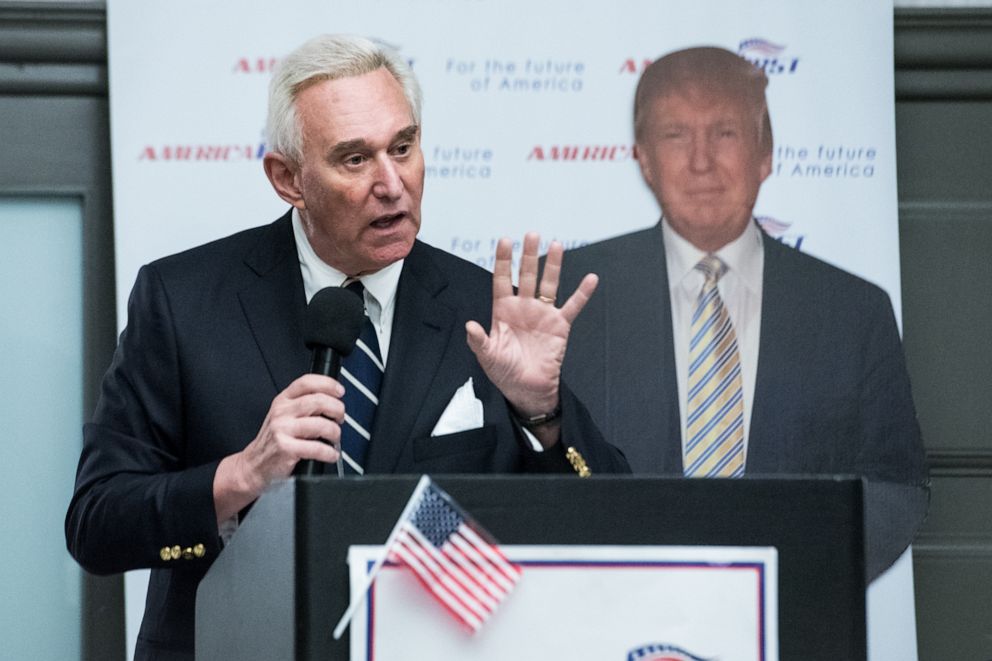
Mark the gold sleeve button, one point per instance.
(175, 552)
(165, 553)
(199, 551)
(578, 462)
(188, 553)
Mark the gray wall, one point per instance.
(55, 141)
(944, 140)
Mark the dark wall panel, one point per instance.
(944, 142)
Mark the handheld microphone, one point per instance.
(331, 327)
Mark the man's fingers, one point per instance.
(502, 270)
(573, 306)
(315, 404)
(528, 265)
(548, 289)
(476, 337)
(313, 383)
(317, 450)
(314, 428)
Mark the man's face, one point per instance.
(700, 155)
(362, 174)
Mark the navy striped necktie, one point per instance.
(361, 376)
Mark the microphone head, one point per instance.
(334, 320)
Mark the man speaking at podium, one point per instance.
(207, 400)
(713, 350)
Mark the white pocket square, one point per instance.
(464, 412)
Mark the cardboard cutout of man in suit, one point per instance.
(824, 382)
(204, 404)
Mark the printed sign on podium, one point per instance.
(599, 602)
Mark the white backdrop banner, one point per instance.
(527, 117)
(526, 123)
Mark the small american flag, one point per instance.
(454, 558)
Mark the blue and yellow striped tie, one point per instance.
(715, 423)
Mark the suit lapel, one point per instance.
(274, 304)
(638, 328)
(422, 327)
(658, 340)
(780, 351)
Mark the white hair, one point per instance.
(328, 57)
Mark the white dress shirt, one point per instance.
(380, 287)
(740, 289)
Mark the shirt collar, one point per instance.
(317, 274)
(743, 256)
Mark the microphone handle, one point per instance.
(326, 361)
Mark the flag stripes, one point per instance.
(464, 571)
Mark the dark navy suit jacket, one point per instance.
(831, 396)
(213, 334)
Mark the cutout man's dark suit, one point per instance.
(831, 394)
(213, 335)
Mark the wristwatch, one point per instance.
(536, 421)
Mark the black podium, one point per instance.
(280, 586)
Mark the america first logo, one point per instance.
(661, 652)
(767, 56)
(780, 231)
